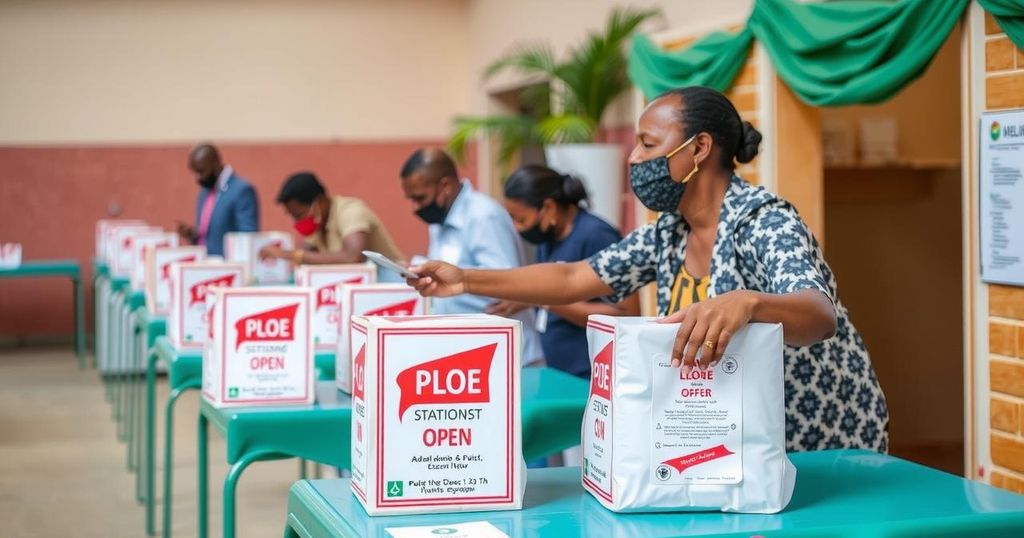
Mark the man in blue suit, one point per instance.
(226, 203)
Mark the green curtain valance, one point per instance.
(1009, 14)
(831, 54)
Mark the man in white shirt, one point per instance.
(468, 229)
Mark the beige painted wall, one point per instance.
(495, 26)
(77, 71)
(122, 71)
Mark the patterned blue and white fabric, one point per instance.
(832, 394)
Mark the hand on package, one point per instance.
(708, 326)
(273, 251)
(437, 279)
(505, 308)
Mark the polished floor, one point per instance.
(63, 472)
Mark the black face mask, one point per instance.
(432, 213)
(535, 236)
(207, 182)
(653, 185)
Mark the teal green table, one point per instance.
(319, 432)
(108, 362)
(839, 493)
(108, 288)
(99, 268)
(62, 269)
(127, 364)
(552, 410)
(100, 273)
(184, 373)
(148, 327)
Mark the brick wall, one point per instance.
(1004, 89)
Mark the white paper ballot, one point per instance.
(473, 529)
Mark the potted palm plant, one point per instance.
(579, 90)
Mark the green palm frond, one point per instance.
(595, 72)
(624, 21)
(526, 59)
(567, 129)
(513, 132)
(536, 98)
(590, 78)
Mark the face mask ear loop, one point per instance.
(692, 172)
(681, 146)
(696, 168)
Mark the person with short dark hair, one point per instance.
(467, 228)
(549, 210)
(722, 253)
(338, 229)
(226, 203)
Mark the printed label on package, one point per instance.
(360, 443)
(448, 431)
(597, 419)
(697, 423)
(264, 357)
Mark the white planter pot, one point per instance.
(601, 167)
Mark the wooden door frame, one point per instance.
(977, 458)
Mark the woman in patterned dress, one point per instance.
(722, 253)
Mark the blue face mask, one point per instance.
(653, 185)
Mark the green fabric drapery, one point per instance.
(714, 61)
(1009, 14)
(842, 53)
(830, 54)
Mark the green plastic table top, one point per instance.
(323, 361)
(154, 324)
(68, 268)
(100, 268)
(58, 268)
(184, 366)
(118, 283)
(321, 432)
(136, 300)
(551, 399)
(318, 432)
(839, 493)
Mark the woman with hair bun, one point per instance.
(722, 253)
(549, 211)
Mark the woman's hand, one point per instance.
(438, 279)
(505, 308)
(708, 326)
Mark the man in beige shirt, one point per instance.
(337, 228)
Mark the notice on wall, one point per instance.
(1002, 197)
